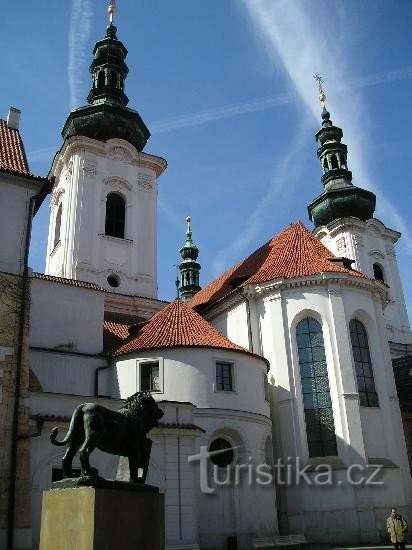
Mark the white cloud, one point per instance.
(79, 32)
(300, 35)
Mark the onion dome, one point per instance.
(189, 268)
(340, 198)
(107, 115)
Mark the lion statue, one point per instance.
(120, 432)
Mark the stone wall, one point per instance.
(10, 305)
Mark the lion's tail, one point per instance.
(75, 418)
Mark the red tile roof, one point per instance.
(291, 254)
(12, 154)
(116, 329)
(178, 325)
(64, 281)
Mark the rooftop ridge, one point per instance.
(178, 325)
(294, 252)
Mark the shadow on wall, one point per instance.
(329, 499)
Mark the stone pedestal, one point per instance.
(95, 518)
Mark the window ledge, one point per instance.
(333, 462)
(230, 392)
(116, 239)
(384, 462)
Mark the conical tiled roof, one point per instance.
(291, 254)
(178, 325)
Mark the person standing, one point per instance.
(397, 529)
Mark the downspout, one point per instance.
(96, 377)
(34, 204)
(249, 325)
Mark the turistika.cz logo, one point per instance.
(287, 472)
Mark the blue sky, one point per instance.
(226, 88)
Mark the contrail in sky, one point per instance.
(287, 170)
(79, 32)
(269, 102)
(300, 37)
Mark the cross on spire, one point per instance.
(112, 9)
(320, 80)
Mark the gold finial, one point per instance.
(320, 81)
(112, 9)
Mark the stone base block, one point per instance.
(91, 518)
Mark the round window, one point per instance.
(113, 280)
(224, 456)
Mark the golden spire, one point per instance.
(112, 9)
(320, 81)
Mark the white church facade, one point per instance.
(283, 363)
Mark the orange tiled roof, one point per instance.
(178, 325)
(291, 254)
(12, 154)
(116, 329)
(64, 281)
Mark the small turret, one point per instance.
(340, 198)
(189, 268)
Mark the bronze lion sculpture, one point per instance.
(120, 432)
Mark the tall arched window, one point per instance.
(320, 428)
(57, 225)
(115, 215)
(363, 365)
(378, 272)
(334, 162)
(101, 79)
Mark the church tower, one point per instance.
(344, 222)
(102, 225)
(189, 267)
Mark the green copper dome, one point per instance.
(340, 198)
(107, 115)
(189, 268)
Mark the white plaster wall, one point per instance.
(66, 317)
(85, 175)
(15, 194)
(232, 510)
(64, 373)
(189, 374)
(333, 305)
(233, 324)
(368, 243)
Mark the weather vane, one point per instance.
(112, 9)
(320, 81)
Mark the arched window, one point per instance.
(115, 215)
(57, 225)
(100, 79)
(378, 272)
(334, 162)
(113, 79)
(325, 165)
(363, 365)
(224, 452)
(320, 428)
